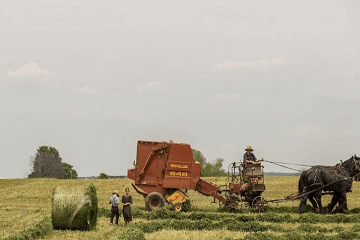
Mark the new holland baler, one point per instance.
(163, 170)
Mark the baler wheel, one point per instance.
(154, 201)
(178, 207)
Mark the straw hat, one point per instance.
(248, 147)
(115, 192)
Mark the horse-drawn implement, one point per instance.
(244, 186)
(163, 171)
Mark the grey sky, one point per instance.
(93, 78)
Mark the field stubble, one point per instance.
(25, 202)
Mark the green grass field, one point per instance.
(25, 210)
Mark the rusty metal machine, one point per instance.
(245, 184)
(163, 170)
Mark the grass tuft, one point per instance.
(132, 233)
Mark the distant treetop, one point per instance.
(48, 163)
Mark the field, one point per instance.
(25, 210)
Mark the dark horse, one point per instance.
(337, 179)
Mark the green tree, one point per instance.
(52, 150)
(46, 163)
(213, 169)
(198, 156)
(69, 171)
(217, 168)
(103, 176)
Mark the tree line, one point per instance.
(47, 163)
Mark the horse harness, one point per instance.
(339, 171)
(356, 168)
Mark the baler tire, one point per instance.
(178, 207)
(154, 201)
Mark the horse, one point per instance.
(337, 179)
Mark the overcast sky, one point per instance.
(92, 79)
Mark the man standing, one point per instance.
(249, 157)
(114, 201)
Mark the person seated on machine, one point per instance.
(249, 158)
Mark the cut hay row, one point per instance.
(196, 225)
(41, 229)
(348, 235)
(74, 208)
(257, 230)
(238, 217)
(191, 235)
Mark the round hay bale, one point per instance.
(74, 208)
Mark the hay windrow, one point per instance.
(41, 229)
(74, 208)
(164, 213)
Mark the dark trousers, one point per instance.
(114, 212)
